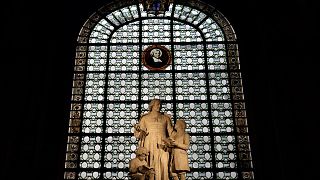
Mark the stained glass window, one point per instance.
(202, 84)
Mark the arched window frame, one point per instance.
(244, 167)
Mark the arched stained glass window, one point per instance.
(199, 80)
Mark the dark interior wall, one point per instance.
(278, 45)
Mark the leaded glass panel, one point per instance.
(189, 57)
(219, 86)
(118, 151)
(89, 175)
(101, 32)
(112, 18)
(92, 118)
(124, 58)
(156, 85)
(127, 34)
(156, 30)
(116, 175)
(196, 116)
(185, 33)
(200, 175)
(120, 117)
(222, 117)
(122, 86)
(224, 148)
(211, 30)
(95, 86)
(217, 59)
(191, 86)
(227, 175)
(90, 156)
(200, 152)
(97, 58)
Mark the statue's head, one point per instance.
(153, 103)
(142, 152)
(180, 123)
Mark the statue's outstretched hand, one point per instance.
(139, 132)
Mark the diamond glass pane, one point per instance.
(185, 33)
(113, 19)
(134, 11)
(122, 86)
(117, 175)
(119, 16)
(95, 86)
(200, 175)
(191, 86)
(124, 58)
(89, 175)
(196, 17)
(120, 117)
(200, 154)
(97, 56)
(101, 32)
(189, 57)
(219, 86)
(196, 116)
(119, 151)
(90, 156)
(225, 154)
(217, 59)
(186, 13)
(156, 85)
(227, 175)
(211, 30)
(126, 13)
(92, 118)
(156, 30)
(126, 34)
(222, 117)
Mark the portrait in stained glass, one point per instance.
(156, 57)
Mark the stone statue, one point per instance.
(152, 130)
(138, 167)
(180, 142)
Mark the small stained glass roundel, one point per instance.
(156, 57)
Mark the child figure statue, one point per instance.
(138, 167)
(180, 144)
